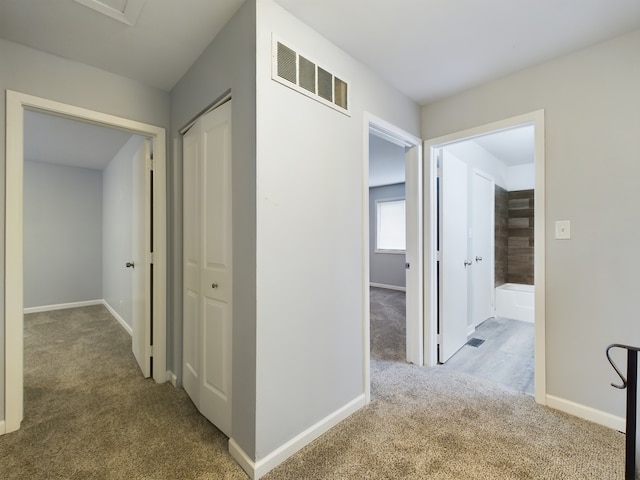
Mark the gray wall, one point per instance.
(119, 194)
(62, 234)
(310, 207)
(385, 268)
(36, 73)
(228, 63)
(591, 102)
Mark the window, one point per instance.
(390, 226)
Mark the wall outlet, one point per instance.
(563, 230)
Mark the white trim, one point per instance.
(88, 303)
(117, 316)
(172, 378)
(3, 429)
(129, 16)
(537, 120)
(261, 467)
(388, 287)
(16, 103)
(587, 413)
(379, 127)
(63, 306)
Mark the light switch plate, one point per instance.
(563, 230)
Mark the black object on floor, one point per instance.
(475, 342)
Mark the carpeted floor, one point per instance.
(90, 415)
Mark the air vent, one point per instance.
(305, 76)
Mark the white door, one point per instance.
(414, 301)
(454, 264)
(483, 188)
(208, 266)
(140, 261)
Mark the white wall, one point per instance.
(119, 194)
(521, 177)
(477, 157)
(36, 73)
(62, 234)
(591, 101)
(309, 285)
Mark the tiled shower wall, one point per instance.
(514, 214)
(502, 235)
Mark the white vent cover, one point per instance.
(305, 76)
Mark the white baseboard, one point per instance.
(257, 469)
(172, 378)
(120, 320)
(248, 465)
(388, 287)
(3, 427)
(62, 306)
(588, 413)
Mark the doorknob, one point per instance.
(130, 265)
(478, 259)
(467, 263)
(214, 285)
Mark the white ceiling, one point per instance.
(386, 162)
(427, 49)
(62, 141)
(167, 38)
(512, 147)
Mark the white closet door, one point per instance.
(192, 160)
(208, 266)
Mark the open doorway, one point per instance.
(153, 265)
(401, 276)
(487, 189)
(387, 248)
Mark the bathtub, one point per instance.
(515, 301)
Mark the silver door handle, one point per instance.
(478, 259)
(130, 265)
(467, 263)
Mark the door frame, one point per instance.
(16, 104)
(413, 195)
(536, 119)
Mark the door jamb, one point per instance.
(16, 104)
(536, 119)
(414, 155)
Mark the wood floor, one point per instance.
(505, 356)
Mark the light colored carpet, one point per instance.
(90, 415)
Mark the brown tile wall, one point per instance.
(502, 235)
(520, 237)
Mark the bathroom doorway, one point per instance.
(485, 186)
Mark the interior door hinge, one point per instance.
(151, 350)
(150, 256)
